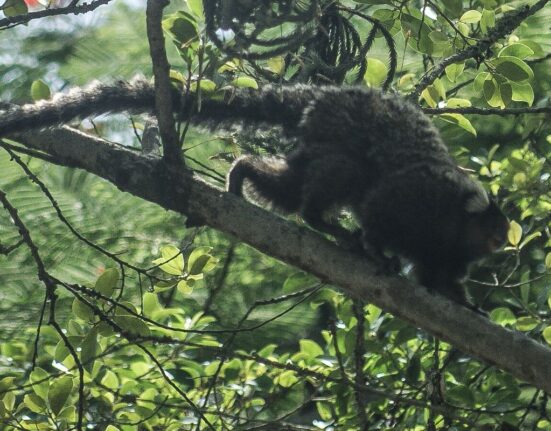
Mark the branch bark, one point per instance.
(163, 89)
(148, 178)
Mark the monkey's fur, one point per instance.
(358, 148)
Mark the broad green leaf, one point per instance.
(196, 8)
(547, 334)
(39, 379)
(276, 64)
(503, 316)
(171, 260)
(454, 7)
(518, 50)
(34, 403)
(206, 85)
(512, 68)
(461, 394)
(110, 380)
(454, 70)
(311, 348)
(527, 323)
(286, 379)
(107, 282)
(514, 235)
(89, 349)
(245, 82)
(9, 401)
(460, 121)
(522, 93)
(200, 261)
(488, 20)
(185, 287)
(471, 17)
(376, 72)
(40, 90)
(182, 28)
(548, 260)
(133, 325)
(59, 392)
(150, 303)
(14, 7)
(454, 102)
(81, 310)
(479, 81)
(416, 32)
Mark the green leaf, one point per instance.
(454, 70)
(81, 310)
(200, 261)
(133, 325)
(181, 27)
(110, 380)
(527, 323)
(514, 235)
(479, 81)
(276, 64)
(89, 349)
(40, 90)
(59, 393)
(547, 334)
(416, 32)
(471, 17)
(548, 261)
(454, 102)
(185, 287)
(150, 303)
(522, 93)
(376, 72)
(454, 7)
(503, 316)
(512, 68)
(171, 260)
(460, 121)
(40, 375)
(286, 379)
(488, 20)
(518, 50)
(14, 8)
(34, 403)
(107, 282)
(206, 85)
(196, 8)
(310, 348)
(245, 82)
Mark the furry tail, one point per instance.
(242, 107)
(270, 181)
(136, 95)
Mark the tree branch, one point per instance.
(488, 111)
(163, 89)
(503, 27)
(12, 21)
(146, 177)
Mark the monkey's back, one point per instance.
(383, 130)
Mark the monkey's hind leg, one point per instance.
(272, 180)
(330, 183)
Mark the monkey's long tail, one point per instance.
(271, 105)
(267, 181)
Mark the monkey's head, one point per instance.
(485, 228)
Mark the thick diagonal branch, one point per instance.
(147, 178)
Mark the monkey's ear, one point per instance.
(477, 202)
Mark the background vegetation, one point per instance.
(154, 326)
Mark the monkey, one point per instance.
(358, 148)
